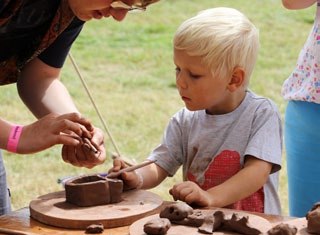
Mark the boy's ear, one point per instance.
(237, 79)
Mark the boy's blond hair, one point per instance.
(224, 38)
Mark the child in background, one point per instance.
(228, 140)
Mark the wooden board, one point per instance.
(52, 209)
(260, 223)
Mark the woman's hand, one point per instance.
(53, 129)
(68, 130)
(82, 155)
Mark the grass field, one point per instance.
(129, 70)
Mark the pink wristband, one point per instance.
(14, 138)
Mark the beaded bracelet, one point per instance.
(14, 138)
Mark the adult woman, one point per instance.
(35, 38)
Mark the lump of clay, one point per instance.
(194, 220)
(93, 190)
(283, 229)
(157, 226)
(177, 211)
(212, 223)
(313, 218)
(95, 229)
(240, 225)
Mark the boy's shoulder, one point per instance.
(260, 102)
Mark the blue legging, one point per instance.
(302, 142)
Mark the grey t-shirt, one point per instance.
(212, 148)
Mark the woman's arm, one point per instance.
(297, 4)
(43, 93)
(41, 90)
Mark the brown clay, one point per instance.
(283, 229)
(240, 225)
(158, 226)
(93, 190)
(196, 219)
(181, 213)
(177, 211)
(313, 218)
(95, 229)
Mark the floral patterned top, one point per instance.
(304, 82)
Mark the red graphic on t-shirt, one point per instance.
(224, 166)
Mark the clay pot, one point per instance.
(93, 190)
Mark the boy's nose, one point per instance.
(181, 82)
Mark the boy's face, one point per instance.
(198, 88)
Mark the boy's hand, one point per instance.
(131, 179)
(190, 193)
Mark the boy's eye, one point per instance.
(177, 70)
(195, 76)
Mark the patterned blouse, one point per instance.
(304, 82)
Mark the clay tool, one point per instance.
(128, 169)
(89, 145)
(86, 143)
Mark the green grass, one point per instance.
(129, 70)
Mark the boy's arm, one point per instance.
(247, 181)
(297, 4)
(151, 176)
